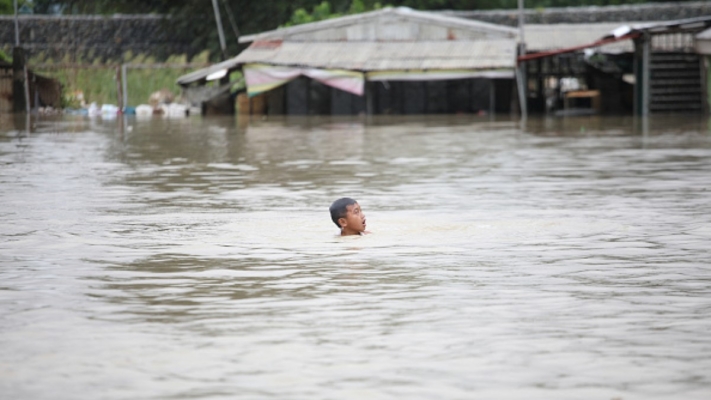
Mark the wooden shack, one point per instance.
(389, 61)
(44, 91)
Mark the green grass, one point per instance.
(98, 84)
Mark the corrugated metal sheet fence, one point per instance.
(5, 89)
(83, 84)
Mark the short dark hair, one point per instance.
(339, 209)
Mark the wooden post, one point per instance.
(646, 70)
(706, 77)
(28, 98)
(492, 96)
(124, 79)
(521, 85)
(119, 88)
(637, 70)
(18, 80)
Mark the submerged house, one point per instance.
(641, 68)
(389, 61)
(561, 66)
(669, 69)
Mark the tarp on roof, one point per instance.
(261, 78)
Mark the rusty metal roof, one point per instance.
(387, 24)
(388, 39)
(369, 56)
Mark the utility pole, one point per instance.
(232, 19)
(221, 34)
(17, 28)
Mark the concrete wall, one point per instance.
(626, 13)
(90, 38)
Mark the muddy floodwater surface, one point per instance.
(195, 259)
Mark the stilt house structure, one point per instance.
(645, 68)
(669, 73)
(605, 70)
(702, 45)
(389, 61)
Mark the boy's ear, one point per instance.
(342, 222)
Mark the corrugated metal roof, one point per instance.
(390, 24)
(369, 56)
(388, 39)
(705, 35)
(201, 74)
(689, 25)
(702, 42)
(546, 37)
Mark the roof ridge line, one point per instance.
(401, 11)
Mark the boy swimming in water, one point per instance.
(348, 216)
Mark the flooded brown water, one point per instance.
(195, 258)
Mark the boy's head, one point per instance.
(348, 216)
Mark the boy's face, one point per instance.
(354, 221)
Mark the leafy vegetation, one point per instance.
(323, 11)
(5, 57)
(6, 7)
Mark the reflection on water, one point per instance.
(191, 258)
